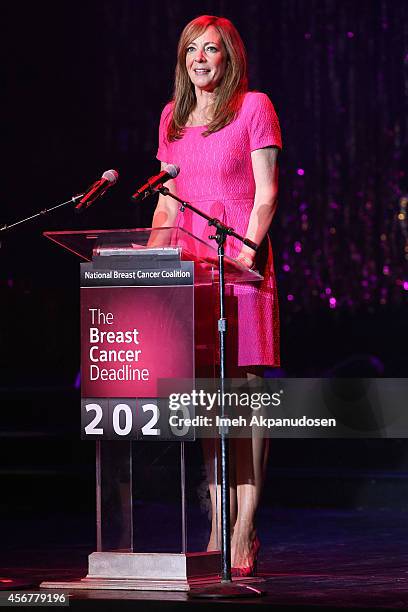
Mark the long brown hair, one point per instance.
(233, 85)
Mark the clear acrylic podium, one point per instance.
(137, 547)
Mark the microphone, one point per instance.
(97, 189)
(171, 171)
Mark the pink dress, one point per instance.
(216, 176)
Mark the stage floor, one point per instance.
(351, 559)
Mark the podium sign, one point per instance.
(136, 327)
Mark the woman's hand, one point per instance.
(247, 260)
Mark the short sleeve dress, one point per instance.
(216, 176)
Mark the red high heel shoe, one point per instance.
(248, 570)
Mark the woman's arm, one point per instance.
(265, 168)
(166, 210)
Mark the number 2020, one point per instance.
(122, 420)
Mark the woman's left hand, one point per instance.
(246, 260)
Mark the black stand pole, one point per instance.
(73, 200)
(227, 588)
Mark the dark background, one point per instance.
(84, 84)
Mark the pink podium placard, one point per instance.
(133, 333)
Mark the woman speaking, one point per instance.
(226, 141)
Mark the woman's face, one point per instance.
(206, 59)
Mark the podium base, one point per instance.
(146, 572)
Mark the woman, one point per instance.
(226, 142)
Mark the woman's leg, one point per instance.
(251, 458)
(248, 460)
(212, 461)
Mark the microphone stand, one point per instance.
(227, 588)
(73, 200)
